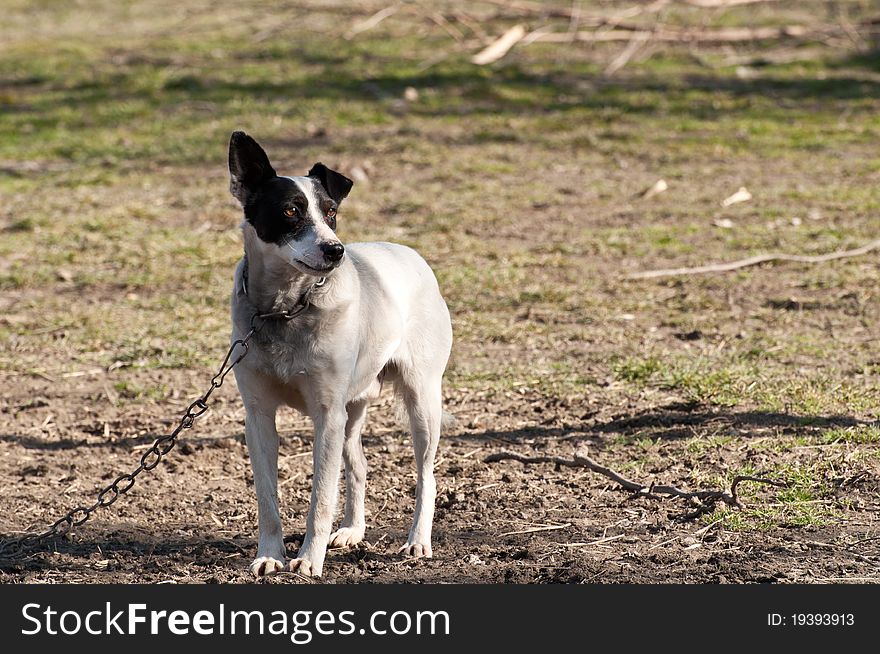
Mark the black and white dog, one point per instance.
(373, 312)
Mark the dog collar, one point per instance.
(301, 304)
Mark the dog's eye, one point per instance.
(331, 212)
(291, 212)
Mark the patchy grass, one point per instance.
(128, 125)
(861, 435)
(807, 501)
(751, 378)
(520, 182)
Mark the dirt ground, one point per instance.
(193, 520)
(522, 186)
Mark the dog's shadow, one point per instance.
(94, 556)
(678, 420)
(97, 553)
(122, 444)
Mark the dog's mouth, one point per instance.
(309, 269)
(312, 269)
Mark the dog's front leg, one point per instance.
(262, 442)
(327, 462)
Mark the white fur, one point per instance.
(380, 310)
(307, 186)
(305, 253)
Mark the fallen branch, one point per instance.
(704, 501)
(536, 529)
(443, 22)
(537, 8)
(471, 23)
(577, 17)
(500, 47)
(372, 21)
(672, 35)
(754, 261)
(717, 4)
(532, 8)
(635, 44)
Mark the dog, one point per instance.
(363, 314)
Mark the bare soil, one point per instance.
(193, 519)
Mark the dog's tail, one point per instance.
(448, 421)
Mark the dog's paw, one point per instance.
(303, 567)
(417, 550)
(266, 565)
(346, 537)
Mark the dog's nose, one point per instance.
(332, 251)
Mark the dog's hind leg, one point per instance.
(351, 530)
(423, 402)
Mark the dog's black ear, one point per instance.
(336, 184)
(249, 166)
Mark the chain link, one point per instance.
(17, 547)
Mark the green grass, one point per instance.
(636, 370)
(861, 435)
(107, 111)
(700, 446)
(751, 378)
(128, 391)
(807, 500)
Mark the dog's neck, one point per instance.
(270, 283)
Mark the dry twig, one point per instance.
(757, 259)
(575, 12)
(532, 8)
(532, 530)
(577, 17)
(500, 47)
(704, 501)
(372, 21)
(676, 35)
(635, 44)
(443, 22)
(722, 4)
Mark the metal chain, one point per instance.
(16, 547)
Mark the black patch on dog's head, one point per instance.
(249, 167)
(266, 211)
(336, 185)
(268, 200)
